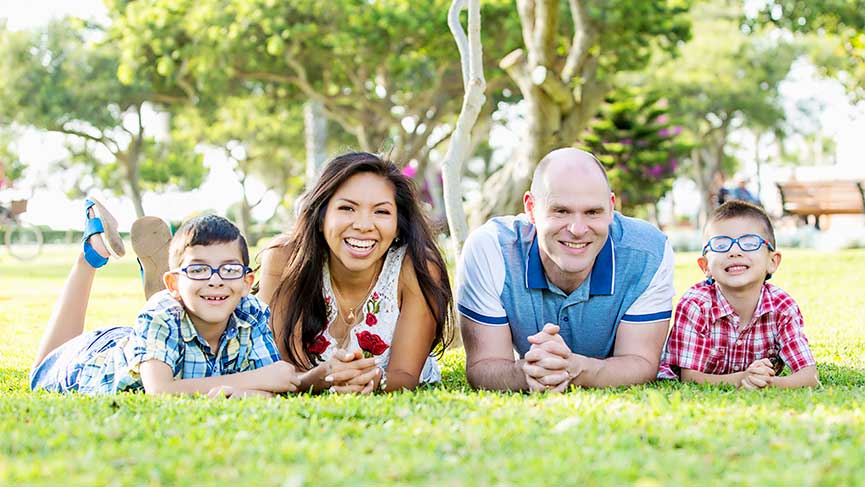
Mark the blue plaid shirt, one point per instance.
(108, 361)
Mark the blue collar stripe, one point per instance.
(663, 315)
(485, 320)
(535, 277)
(604, 270)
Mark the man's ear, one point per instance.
(612, 202)
(529, 205)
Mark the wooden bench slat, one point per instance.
(822, 197)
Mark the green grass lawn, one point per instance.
(658, 434)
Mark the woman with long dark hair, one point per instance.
(359, 291)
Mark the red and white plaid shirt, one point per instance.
(705, 335)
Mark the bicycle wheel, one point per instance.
(23, 241)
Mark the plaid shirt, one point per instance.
(164, 332)
(705, 335)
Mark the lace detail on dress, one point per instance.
(378, 318)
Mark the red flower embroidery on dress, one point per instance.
(372, 343)
(372, 307)
(318, 345)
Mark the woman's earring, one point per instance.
(710, 280)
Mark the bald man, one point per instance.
(582, 294)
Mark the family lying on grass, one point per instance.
(361, 298)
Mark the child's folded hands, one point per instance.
(758, 375)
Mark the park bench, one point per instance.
(822, 198)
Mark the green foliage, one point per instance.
(641, 146)
(632, 31)
(656, 434)
(63, 79)
(723, 80)
(840, 21)
(173, 163)
(261, 136)
(11, 166)
(58, 77)
(723, 73)
(371, 64)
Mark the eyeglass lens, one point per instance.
(748, 243)
(225, 271)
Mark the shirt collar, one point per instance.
(535, 277)
(188, 332)
(604, 271)
(765, 304)
(721, 307)
(603, 279)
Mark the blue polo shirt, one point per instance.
(501, 282)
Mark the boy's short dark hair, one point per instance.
(205, 230)
(742, 209)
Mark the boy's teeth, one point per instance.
(215, 298)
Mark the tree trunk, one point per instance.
(471, 58)
(558, 105)
(757, 159)
(244, 217)
(315, 132)
(129, 161)
(244, 213)
(132, 159)
(707, 163)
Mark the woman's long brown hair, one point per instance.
(299, 302)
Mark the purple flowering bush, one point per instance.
(640, 145)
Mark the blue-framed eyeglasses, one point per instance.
(203, 272)
(748, 243)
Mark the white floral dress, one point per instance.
(378, 318)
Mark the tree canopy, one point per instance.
(724, 79)
(384, 71)
(841, 20)
(63, 79)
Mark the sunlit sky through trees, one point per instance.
(49, 205)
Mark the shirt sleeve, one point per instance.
(262, 346)
(688, 346)
(481, 278)
(656, 302)
(156, 339)
(794, 349)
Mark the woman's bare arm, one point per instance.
(414, 334)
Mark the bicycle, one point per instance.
(22, 240)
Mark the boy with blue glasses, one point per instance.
(736, 328)
(203, 334)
